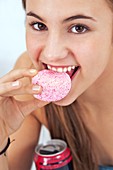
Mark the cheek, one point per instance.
(33, 47)
(93, 59)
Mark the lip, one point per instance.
(57, 66)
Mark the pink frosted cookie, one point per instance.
(55, 85)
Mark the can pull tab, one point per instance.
(49, 150)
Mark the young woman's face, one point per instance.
(67, 35)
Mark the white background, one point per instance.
(12, 41)
(12, 33)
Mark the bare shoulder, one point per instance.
(24, 62)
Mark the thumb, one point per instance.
(27, 107)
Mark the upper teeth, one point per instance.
(60, 69)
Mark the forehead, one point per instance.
(52, 8)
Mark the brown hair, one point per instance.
(64, 123)
(24, 3)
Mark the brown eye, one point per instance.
(39, 26)
(79, 29)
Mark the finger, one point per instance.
(17, 74)
(17, 88)
(10, 86)
(28, 107)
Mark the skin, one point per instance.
(60, 45)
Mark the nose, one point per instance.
(54, 48)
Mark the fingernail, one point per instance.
(32, 71)
(36, 88)
(15, 83)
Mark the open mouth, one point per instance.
(70, 70)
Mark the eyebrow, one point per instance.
(34, 15)
(80, 16)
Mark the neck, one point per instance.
(99, 97)
(96, 108)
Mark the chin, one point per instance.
(69, 99)
(64, 102)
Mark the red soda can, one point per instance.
(54, 155)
